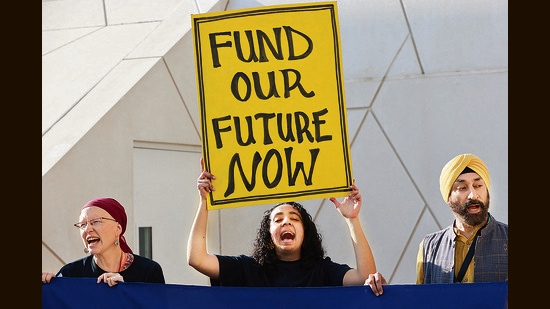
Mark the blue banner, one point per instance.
(86, 293)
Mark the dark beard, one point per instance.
(461, 210)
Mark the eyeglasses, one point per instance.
(94, 223)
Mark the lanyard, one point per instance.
(468, 258)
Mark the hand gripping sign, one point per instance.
(272, 105)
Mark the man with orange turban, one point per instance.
(475, 247)
(472, 249)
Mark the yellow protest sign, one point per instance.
(272, 105)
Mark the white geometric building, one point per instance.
(424, 81)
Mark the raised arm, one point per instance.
(349, 208)
(197, 254)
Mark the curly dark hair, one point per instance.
(312, 247)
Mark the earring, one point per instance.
(117, 243)
(86, 250)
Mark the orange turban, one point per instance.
(454, 168)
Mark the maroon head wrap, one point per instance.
(118, 213)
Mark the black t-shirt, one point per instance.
(141, 270)
(243, 270)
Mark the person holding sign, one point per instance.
(102, 224)
(472, 249)
(287, 250)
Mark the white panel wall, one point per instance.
(424, 81)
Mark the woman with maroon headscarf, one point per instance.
(102, 224)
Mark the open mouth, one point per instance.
(287, 236)
(92, 240)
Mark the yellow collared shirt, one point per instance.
(462, 246)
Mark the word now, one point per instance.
(272, 157)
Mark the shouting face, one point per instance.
(469, 199)
(287, 232)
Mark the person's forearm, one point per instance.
(196, 246)
(363, 254)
